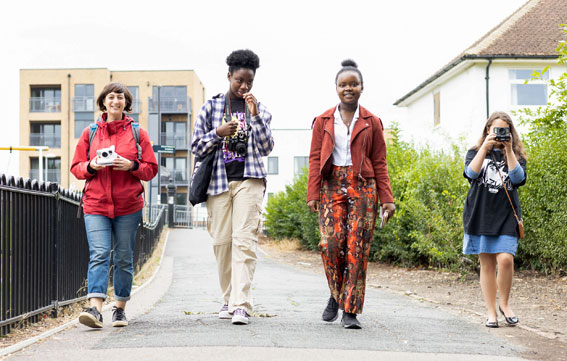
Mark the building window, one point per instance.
(299, 163)
(270, 196)
(181, 199)
(45, 99)
(82, 121)
(45, 134)
(176, 169)
(51, 169)
(135, 102)
(173, 99)
(436, 108)
(174, 133)
(532, 93)
(84, 98)
(272, 165)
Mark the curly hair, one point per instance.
(243, 58)
(349, 65)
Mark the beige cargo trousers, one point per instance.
(234, 222)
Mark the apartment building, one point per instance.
(56, 105)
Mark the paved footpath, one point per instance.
(175, 318)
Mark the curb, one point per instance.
(20, 345)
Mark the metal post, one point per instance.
(171, 187)
(40, 164)
(159, 138)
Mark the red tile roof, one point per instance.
(533, 31)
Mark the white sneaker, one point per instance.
(240, 317)
(224, 314)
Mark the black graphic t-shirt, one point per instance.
(234, 162)
(487, 209)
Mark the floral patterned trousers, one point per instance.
(346, 222)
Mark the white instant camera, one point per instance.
(106, 156)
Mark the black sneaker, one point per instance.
(91, 317)
(331, 312)
(349, 321)
(119, 317)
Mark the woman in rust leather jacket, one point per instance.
(348, 177)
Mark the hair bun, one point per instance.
(349, 62)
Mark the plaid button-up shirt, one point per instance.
(205, 140)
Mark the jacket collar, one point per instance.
(362, 113)
(361, 123)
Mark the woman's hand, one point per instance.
(122, 163)
(313, 205)
(489, 142)
(388, 210)
(252, 103)
(93, 164)
(227, 129)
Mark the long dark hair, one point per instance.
(517, 145)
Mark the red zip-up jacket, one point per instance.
(108, 192)
(367, 149)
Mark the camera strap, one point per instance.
(505, 188)
(228, 110)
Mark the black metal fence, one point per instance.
(44, 252)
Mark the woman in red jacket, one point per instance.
(112, 198)
(347, 176)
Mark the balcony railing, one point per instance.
(45, 105)
(168, 105)
(179, 177)
(178, 140)
(47, 140)
(83, 104)
(50, 175)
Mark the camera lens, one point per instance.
(104, 154)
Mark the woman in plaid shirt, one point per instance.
(237, 127)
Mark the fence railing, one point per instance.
(44, 251)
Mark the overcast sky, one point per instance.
(397, 45)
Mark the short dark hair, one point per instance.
(243, 58)
(115, 88)
(349, 65)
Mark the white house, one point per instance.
(489, 76)
(289, 156)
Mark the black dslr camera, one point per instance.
(502, 133)
(239, 142)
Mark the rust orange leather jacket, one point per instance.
(367, 148)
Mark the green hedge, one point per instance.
(429, 191)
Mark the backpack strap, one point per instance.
(92, 131)
(136, 134)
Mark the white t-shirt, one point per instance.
(341, 152)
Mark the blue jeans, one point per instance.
(101, 231)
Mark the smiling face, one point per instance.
(241, 82)
(115, 104)
(349, 87)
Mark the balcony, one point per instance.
(83, 104)
(47, 140)
(168, 105)
(179, 177)
(45, 105)
(178, 140)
